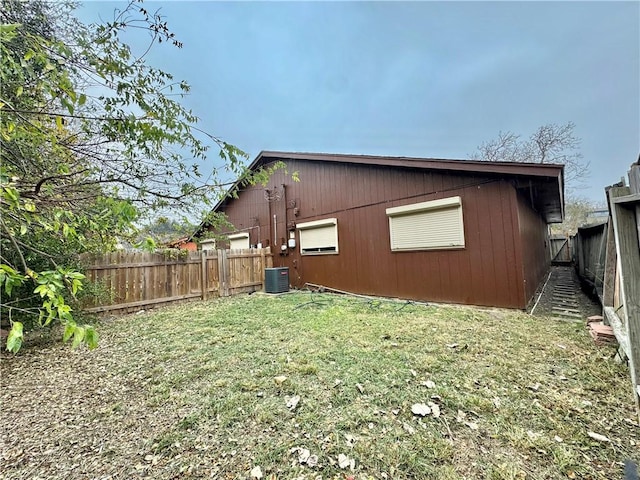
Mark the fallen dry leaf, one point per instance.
(429, 384)
(435, 409)
(346, 462)
(360, 387)
(303, 455)
(532, 435)
(280, 379)
(256, 472)
(597, 436)
(420, 409)
(408, 428)
(292, 402)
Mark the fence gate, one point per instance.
(560, 250)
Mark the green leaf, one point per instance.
(75, 286)
(43, 290)
(91, 337)
(69, 329)
(19, 90)
(78, 336)
(82, 99)
(14, 340)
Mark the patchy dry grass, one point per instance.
(189, 392)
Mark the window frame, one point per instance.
(429, 206)
(238, 236)
(316, 224)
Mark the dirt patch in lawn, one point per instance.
(205, 390)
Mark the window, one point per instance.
(427, 226)
(238, 241)
(208, 244)
(319, 237)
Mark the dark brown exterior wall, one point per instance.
(534, 238)
(488, 271)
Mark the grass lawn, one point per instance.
(190, 391)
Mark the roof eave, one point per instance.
(504, 168)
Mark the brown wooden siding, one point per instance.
(490, 270)
(534, 238)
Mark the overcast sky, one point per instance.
(425, 79)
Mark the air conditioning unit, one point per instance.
(276, 280)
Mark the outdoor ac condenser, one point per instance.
(276, 280)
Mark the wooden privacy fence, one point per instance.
(591, 244)
(618, 241)
(562, 249)
(129, 280)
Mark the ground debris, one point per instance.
(599, 437)
(345, 461)
(256, 472)
(292, 402)
(420, 409)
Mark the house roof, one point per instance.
(542, 183)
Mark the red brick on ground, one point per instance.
(602, 334)
(594, 318)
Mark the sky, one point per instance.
(421, 79)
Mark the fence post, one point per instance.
(204, 281)
(262, 268)
(609, 277)
(223, 277)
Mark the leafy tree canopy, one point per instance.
(92, 138)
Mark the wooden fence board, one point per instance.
(136, 279)
(625, 220)
(591, 241)
(621, 276)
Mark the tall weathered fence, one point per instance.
(609, 257)
(127, 281)
(591, 243)
(562, 249)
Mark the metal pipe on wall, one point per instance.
(275, 230)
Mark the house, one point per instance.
(455, 231)
(184, 243)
